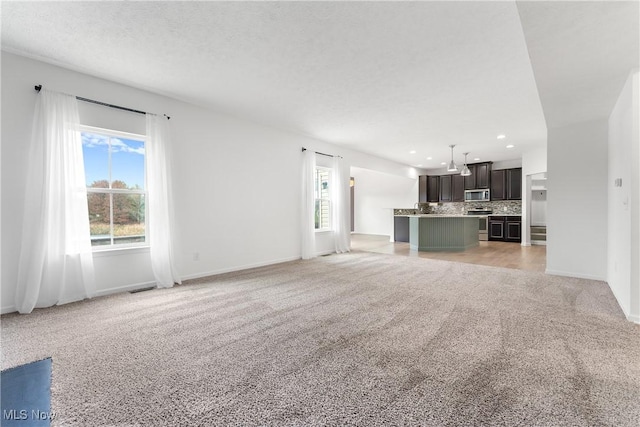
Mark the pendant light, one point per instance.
(452, 166)
(465, 169)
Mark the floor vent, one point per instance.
(135, 291)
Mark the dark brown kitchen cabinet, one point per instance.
(445, 188)
(457, 188)
(450, 188)
(433, 188)
(496, 228)
(480, 177)
(483, 173)
(470, 181)
(505, 228)
(428, 188)
(506, 184)
(498, 185)
(513, 229)
(422, 189)
(514, 184)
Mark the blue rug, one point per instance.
(26, 395)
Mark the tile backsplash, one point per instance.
(506, 207)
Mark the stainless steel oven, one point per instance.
(483, 222)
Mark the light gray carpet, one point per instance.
(354, 339)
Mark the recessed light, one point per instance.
(419, 166)
(443, 163)
(429, 158)
(412, 152)
(501, 136)
(477, 158)
(510, 146)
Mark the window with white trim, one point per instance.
(114, 164)
(323, 199)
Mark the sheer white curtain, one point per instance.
(340, 206)
(160, 221)
(56, 262)
(308, 205)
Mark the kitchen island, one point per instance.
(433, 232)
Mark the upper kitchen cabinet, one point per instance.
(514, 184)
(480, 177)
(445, 188)
(498, 185)
(506, 184)
(457, 188)
(428, 188)
(433, 188)
(422, 189)
(470, 181)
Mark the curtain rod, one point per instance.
(322, 154)
(93, 101)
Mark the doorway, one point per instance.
(352, 186)
(538, 209)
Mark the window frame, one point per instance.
(111, 191)
(328, 199)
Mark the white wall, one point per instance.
(623, 213)
(539, 207)
(237, 184)
(533, 162)
(506, 164)
(497, 165)
(577, 200)
(375, 196)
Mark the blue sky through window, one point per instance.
(127, 159)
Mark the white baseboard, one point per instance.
(539, 242)
(576, 275)
(325, 253)
(238, 268)
(125, 288)
(100, 293)
(132, 287)
(634, 319)
(630, 317)
(8, 309)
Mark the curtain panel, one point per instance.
(341, 201)
(307, 220)
(159, 192)
(56, 260)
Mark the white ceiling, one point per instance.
(380, 77)
(581, 68)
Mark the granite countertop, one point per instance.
(439, 216)
(456, 215)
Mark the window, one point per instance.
(323, 199)
(114, 165)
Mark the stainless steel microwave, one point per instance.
(477, 195)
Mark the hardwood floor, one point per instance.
(497, 254)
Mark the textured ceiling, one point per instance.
(383, 78)
(581, 68)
